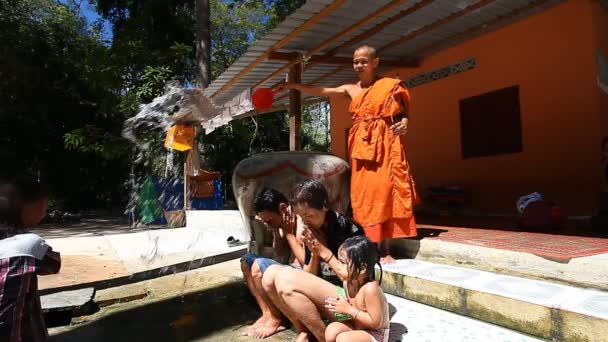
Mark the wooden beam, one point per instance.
(295, 110)
(368, 18)
(274, 74)
(305, 102)
(358, 38)
(480, 28)
(317, 80)
(436, 24)
(379, 27)
(284, 56)
(308, 23)
(347, 61)
(354, 40)
(422, 30)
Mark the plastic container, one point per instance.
(180, 137)
(263, 98)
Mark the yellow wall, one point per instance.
(551, 57)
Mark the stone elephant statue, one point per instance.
(281, 171)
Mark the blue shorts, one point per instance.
(263, 263)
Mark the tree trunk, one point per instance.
(203, 43)
(203, 70)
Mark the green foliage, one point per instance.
(315, 127)
(65, 92)
(233, 28)
(55, 80)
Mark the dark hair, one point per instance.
(361, 253)
(268, 200)
(14, 195)
(310, 192)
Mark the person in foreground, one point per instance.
(272, 208)
(285, 285)
(23, 256)
(363, 312)
(382, 187)
(358, 309)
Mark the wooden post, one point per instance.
(295, 109)
(188, 162)
(203, 72)
(186, 183)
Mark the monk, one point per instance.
(382, 187)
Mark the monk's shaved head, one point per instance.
(370, 50)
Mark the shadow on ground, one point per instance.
(214, 314)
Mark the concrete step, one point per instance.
(178, 308)
(538, 308)
(587, 272)
(415, 322)
(67, 300)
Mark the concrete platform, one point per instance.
(539, 308)
(590, 271)
(178, 309)
(118, 259)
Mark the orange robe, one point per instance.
(382, 188)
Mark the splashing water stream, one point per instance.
(146, 131)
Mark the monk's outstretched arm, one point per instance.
(313, 90)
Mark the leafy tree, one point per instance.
(54, 81)
(141, 42)
(65, 92)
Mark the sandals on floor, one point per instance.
(232, 242)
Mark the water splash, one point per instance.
(176, 105)
(146, 130)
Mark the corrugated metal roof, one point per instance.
(435, 25)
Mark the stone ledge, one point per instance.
(589, 271)
(547, 310)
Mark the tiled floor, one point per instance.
(528, 290)
(417, 322)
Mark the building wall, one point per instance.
(551, 57)
(600, 35)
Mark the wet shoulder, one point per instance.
(371, 288)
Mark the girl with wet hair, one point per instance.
(362, 256)
(360, 309)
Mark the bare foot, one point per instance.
(266, 329)
(387, 260)
(252, 327)
(302, 337)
